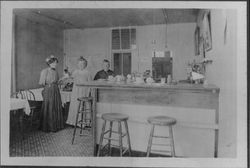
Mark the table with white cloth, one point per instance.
(65, 95)
(17, 104)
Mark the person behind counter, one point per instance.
(51, 112)
(103, 74)
(80, 75)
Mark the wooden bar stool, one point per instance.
(83, 111)
(161, 121)
(119, 118)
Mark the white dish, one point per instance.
(158, 84)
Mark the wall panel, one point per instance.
(33, 44)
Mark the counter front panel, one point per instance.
(195, 107)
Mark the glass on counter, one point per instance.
(163, 80)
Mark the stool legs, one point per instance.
(31, 117)
(120, 137)
(101, 138)
(90, 115)
(109, 141)
(171, 137)
(74, 133)
(81, 123)
(128, 137)
(150, 140)
(82, 111)
(172, 141)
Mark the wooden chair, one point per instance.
(34, 105)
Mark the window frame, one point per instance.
(122, 51)
(120, 28)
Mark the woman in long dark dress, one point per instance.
(51, 113)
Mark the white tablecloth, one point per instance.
(16, 104)
(65, 95)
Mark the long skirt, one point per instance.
(77, 92)
(52, 112)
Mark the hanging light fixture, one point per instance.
(153, 41)
(165, 18)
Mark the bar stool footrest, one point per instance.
(112, 139)
(85, 111)
(117, 146)
(116, 132)
(162, 151)
(126, 150)
(161, 144)
(158, 136)
(83, 122)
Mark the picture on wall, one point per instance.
(197, 41)
(207, 38)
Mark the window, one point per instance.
(123, 42)
(123, 38)
(122, 63)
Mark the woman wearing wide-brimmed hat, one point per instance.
(51, 113)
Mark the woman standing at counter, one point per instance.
(105, 72)
(51, 114)
(79, 76)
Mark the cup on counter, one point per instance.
(163, 80)
(118, 78)
(110, 77)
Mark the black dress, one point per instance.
(52, 112)
(103, 74)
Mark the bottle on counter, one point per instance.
(163, 80)
(169, 79)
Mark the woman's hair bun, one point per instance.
(81, 58)
(51, 59)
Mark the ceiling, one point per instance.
(94, 18)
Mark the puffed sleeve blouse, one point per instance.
(48, 76)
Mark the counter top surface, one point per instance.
(179, 86)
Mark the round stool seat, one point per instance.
(85, 99)
(162, 120)
(114, 117)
